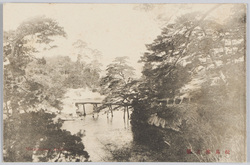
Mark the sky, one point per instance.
(113, 29)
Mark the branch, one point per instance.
(188, 38)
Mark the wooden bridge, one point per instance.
(98, 106)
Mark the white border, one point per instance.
(121, 2)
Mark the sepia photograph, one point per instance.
(138, 82)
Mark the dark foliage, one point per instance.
(35, 135)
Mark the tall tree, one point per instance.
(20, 92)
(118, 81)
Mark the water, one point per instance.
(102, 134)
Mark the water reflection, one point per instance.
(102, 133)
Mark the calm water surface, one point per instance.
(102, 134)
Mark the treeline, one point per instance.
(31, 83)
(201, 59)
(204, 60)
(57, 74)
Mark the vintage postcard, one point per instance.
(124, 82)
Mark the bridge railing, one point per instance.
(97, 109)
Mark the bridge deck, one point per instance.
(88, 102)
